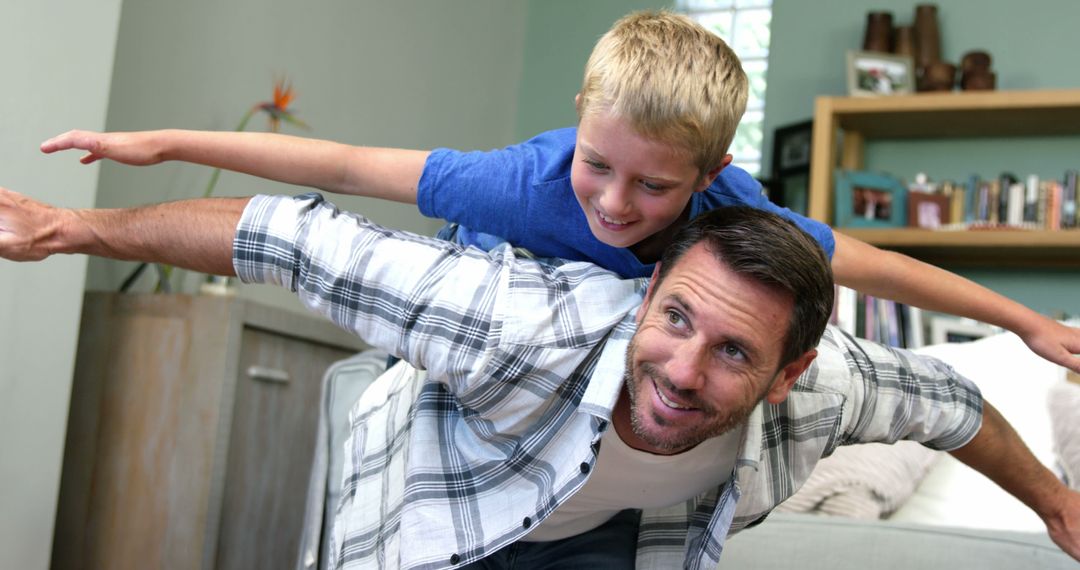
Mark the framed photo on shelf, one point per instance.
(930, 211)
(790, 170)
(791, 148)
(872, 73)
(950, 329)
(869, 200)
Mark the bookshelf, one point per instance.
(843, 125)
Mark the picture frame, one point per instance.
(790, 171)
(868, 200)
(791, 148)
(871, 74)
(927, 211)
(949, 329)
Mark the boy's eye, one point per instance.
(652, 186)
(595, 164)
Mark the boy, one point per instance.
(659, 104)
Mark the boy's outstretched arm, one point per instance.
(998, 452)
(194, 234)
(387, 173)
(891, 275)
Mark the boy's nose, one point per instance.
(616, 199)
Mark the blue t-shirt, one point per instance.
(522, 194)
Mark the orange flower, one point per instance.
(278, 109)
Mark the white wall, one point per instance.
(402, 73)
(57, 58)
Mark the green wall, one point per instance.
(397, 73)
(558, 39)
(1028, 43)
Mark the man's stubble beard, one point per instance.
(718, 423)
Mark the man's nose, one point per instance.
(686, 369)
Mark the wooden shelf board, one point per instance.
(966, 114)
(985, 248)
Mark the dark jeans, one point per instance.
(610, 545)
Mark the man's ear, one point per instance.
(648, 295)
(785, 379)
(711, 175)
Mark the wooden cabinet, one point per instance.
(191, 432)
(842, 125)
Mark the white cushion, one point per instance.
(1016, 381)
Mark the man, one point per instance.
(720, 402)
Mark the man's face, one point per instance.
(629, 187)
(706, 351)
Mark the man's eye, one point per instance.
(732, 351)
(674, 318)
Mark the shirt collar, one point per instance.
(607, 379)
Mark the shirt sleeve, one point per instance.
(434, 304)
(894, 394)
(735, 187)
(486, 191)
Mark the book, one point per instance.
(1014, 211)
(971, 198)
(1031, 199)
(915, 331)
(846, 309)
(1068, 200)
(1005, 182)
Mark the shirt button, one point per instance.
(455, 559)
(527, 522)
(585, 468)
(602, 426)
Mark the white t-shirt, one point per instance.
(625, 478)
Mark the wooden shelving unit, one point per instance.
(842, 125)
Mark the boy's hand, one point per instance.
(135, 149)
(25, 226)
(1055, 342)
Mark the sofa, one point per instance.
(872, 506)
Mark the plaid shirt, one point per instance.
(524, 362)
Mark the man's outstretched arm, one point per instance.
(998, 452)
(194, 234)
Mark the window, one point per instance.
(744, 25)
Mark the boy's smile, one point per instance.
(630, 187)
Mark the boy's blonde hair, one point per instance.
(672, 79)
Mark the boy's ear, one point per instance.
(711, 175)
(577, 103)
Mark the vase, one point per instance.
(879, 29)
(904, 43)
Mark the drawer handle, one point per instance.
(266, 374)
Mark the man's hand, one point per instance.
(1055, 342)
(193, 234)
(26, 227)
(1064, 526)
(135, 149)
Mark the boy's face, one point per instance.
(630, 187)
